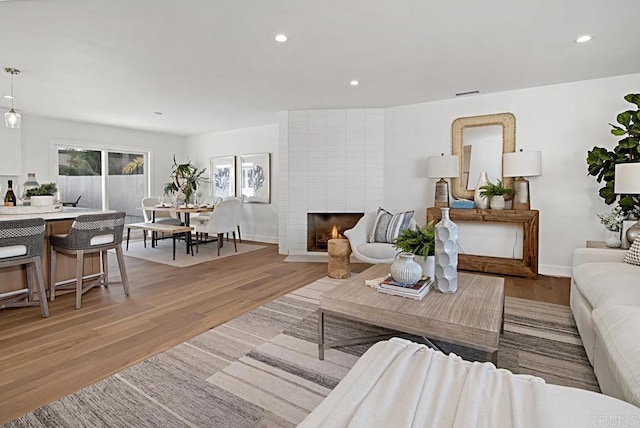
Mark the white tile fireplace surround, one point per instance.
(331, 162)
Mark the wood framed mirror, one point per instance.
(479, 142)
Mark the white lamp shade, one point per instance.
(442, 166)
(522, 164)
(627, 178)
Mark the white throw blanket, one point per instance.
(398, 383)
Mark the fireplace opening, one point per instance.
(324, 226)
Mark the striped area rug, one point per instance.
(262, 368)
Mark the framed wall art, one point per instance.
(223, 176)
(256, 178)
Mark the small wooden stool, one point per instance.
(339, 264)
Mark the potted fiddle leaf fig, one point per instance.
(495, 193)
(421, 242)
(602, 161)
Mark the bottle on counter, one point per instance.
(30, 184)
(10, 197)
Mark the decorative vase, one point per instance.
(428, 265)
(41, 201)
(478, 200)
(446, 269)
(497, 203)
(613, 241)
(405, 270)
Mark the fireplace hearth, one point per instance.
(324, 226)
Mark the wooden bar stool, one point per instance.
(89, 234)
(21, 244)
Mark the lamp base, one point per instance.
(633, 233)
(442, 194)
(521, 198)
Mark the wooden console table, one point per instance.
(526, 267)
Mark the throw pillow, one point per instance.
(633, 254)
(388, 226)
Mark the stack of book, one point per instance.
(413, 291)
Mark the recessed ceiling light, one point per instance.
(8, 97)
(354, 83)
(159, 113)
(281, 38)
(583, 39)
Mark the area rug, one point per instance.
(163, 252)
(262, 368)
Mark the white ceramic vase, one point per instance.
(41, 201)
(446, 269)
(497, 203)
(428, 265)
(478, 200)
(613, 241)
(405, 270)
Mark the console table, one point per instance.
(526, 267)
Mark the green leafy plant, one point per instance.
(490, 190)
(46, 189)
(419, 241)
(602, 162)
(185, 177)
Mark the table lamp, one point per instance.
(627, 182)
(521, 164)
(442, 167)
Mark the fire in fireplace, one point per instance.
(324, 226)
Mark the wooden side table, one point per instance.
(600, 244)
(339, 264)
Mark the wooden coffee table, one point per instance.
(471, 317)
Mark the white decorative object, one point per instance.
(613, 241)
(40, 201)
(405, 270)
(446, 272)
(497, 202)
(479, 200)
(428, 265)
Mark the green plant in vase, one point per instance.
(46, 189)
(185, 179)
(496, 193)
(421, 242)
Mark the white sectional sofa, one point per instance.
(605, 301)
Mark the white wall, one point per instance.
(259, 222)
(563, 121)
(38, 134)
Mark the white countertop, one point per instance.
(65, 214)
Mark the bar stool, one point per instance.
(89, 234)
(21, 244)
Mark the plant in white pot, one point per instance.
(496, 193)
(43, 195)
(421, 242)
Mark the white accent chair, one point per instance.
(224, 219)
(161, 216)
(370, 252)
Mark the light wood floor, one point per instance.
(42, 360)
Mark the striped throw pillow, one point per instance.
(388, 226)
(633, 253)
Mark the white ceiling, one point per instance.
(211, 65)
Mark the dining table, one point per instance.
(184, 213)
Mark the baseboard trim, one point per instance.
(552, 270)
(260, 238)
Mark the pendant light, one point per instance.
(11, 118)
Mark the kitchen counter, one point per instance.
(67, 213)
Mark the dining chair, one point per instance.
(161, 216)
(89, 234)
(21, 244)
(224, 219)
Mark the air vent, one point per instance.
(462, 94)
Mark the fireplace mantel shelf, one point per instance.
(529, 219)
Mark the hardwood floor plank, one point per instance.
(46, 359)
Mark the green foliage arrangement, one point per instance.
(185, 177)
(602, 162)
(419, 241)
(490, 190)
(46, 189)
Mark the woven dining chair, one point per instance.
(89, 234)
(21, 243)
